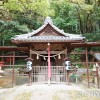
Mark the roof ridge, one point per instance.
(49, 21)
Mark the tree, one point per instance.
(21, 16)
(10, 28)
(65, 16)
(30, 8)
(88, 15)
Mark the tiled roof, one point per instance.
(47, 38)
(29, 37)
(97, 56)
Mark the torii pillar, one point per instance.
(49, 64)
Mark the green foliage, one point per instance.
(20, 62)
(65, 16)
(79, 49)
(10, 28)
(73, 16)
(31, 7)
(31, 23)
(95, 37)
(75, 58)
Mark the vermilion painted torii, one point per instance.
(49, 64)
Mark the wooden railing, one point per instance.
(40, 74)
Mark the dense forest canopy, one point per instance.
(73, 16)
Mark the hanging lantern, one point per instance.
(37, 56)
(59, 57)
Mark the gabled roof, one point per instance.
(40, 35)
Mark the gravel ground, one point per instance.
(45, 92)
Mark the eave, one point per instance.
(86, 44)
(13, 48)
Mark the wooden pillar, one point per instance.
(87, 66)
(31, 76)
(30, 53)
(13, 75)
(10, 61)
(66, 53)
(49, 65)
(67, 72)
(31, 72)
(97, 74)
(67, 75)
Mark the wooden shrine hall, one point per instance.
(48, 46)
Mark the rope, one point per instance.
(47, 56)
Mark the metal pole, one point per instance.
(87, 66)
